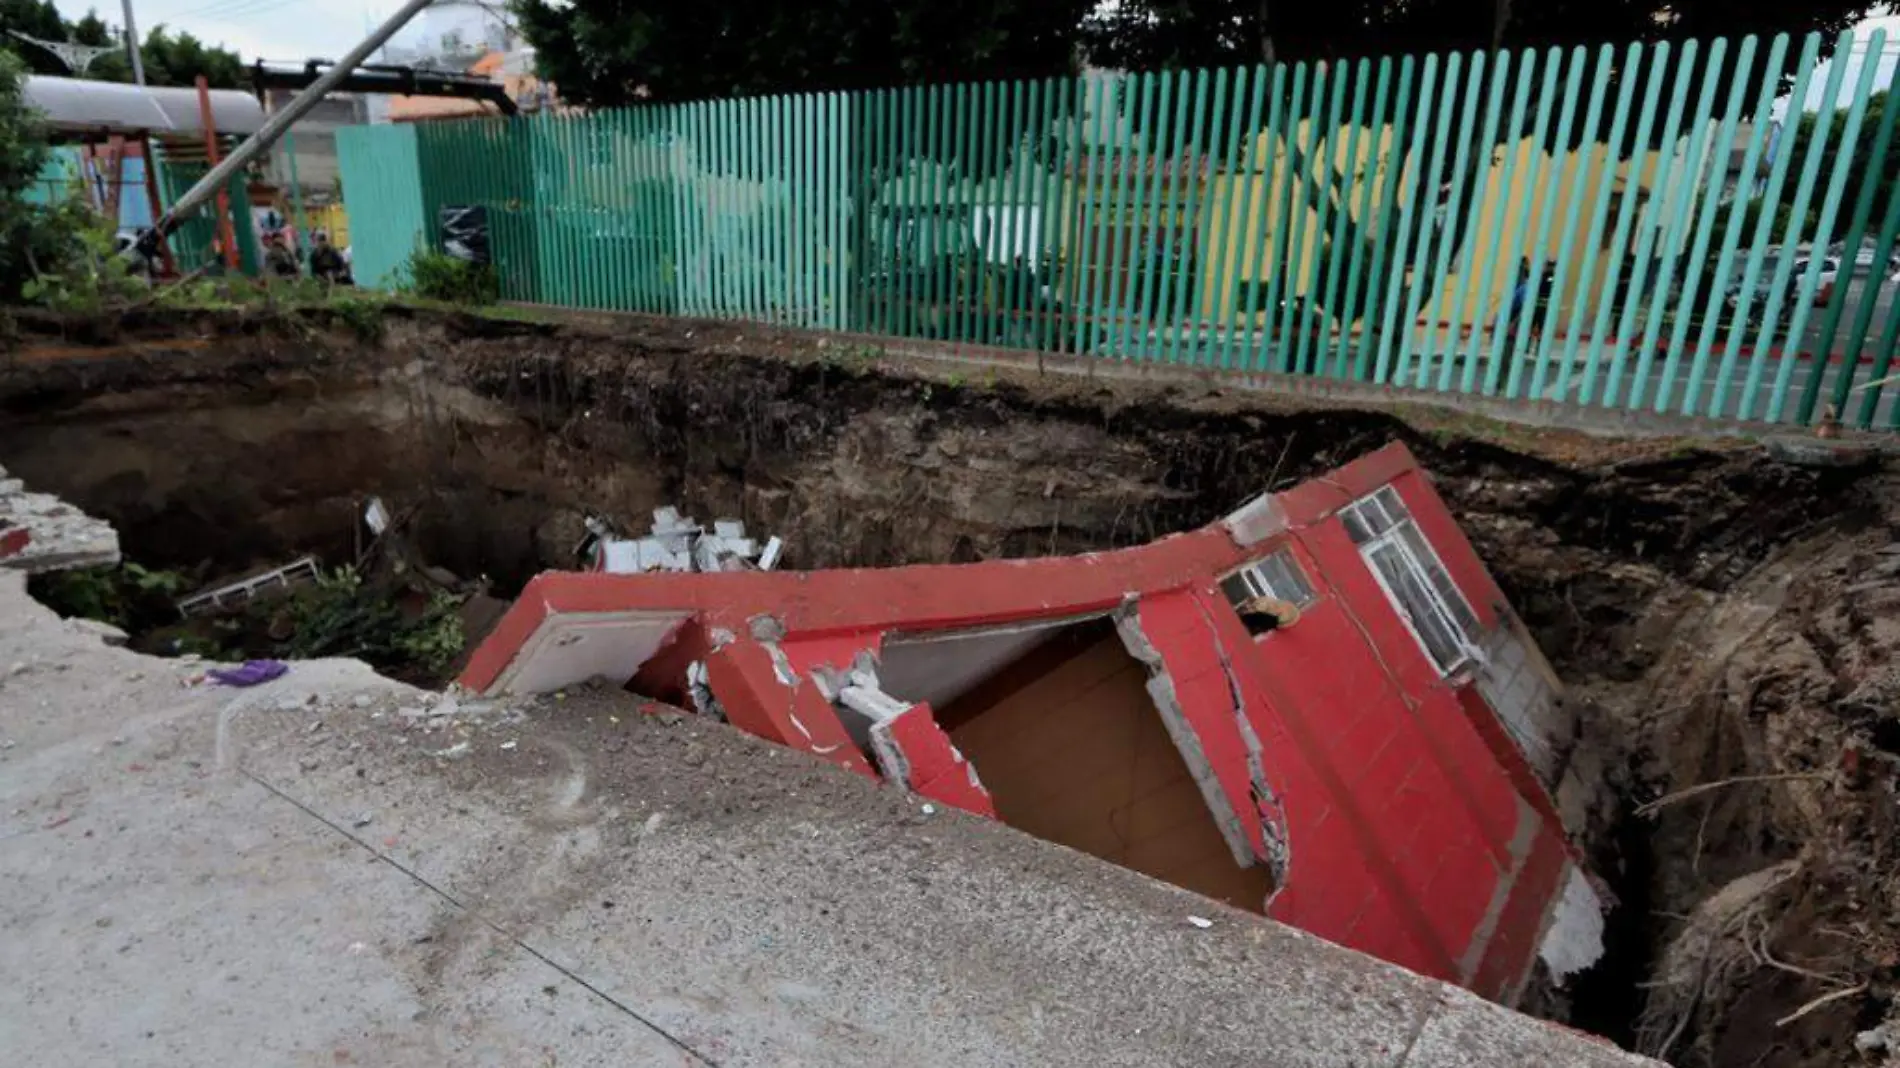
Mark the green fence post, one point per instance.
(1322, 156)
(1167, 178)
(928, 127)
(770, 290)
(702, 158)
(1653, 222)
(908, 277)
(1675, 224)
(988, 187)
(1625, 216)
(1823, 235)
(1286, 184)
(1130, 206)
(1877, 270)
(1462, 316)
(1784, 267)
(1581, 155)
(1245, 229)
(1414, 272)
(1123, 204)
(1864, 316)
(713, 193)
(1438, 282)
(940, 285)
(1301, 150)
(1211, 276)
(1766, 90)
(617, 179)
(1378, 313)
(1184, 245)
(1503, 243)
(1532, 213)
(1072, 215)
(865, 147)
(1574, 151)
(1049, 228)
(969, 100)
(1011, 215)
(1889, 343)
(1265, 233)
(644, 221)
(841, 146)
(1365, 175)
(769, 224)
(1184, 215)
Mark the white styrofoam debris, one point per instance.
(679, 544)
(1575, 939)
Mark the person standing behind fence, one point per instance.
(1520, 300)
(326, 263)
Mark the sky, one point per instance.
(289, 30)
(1856, 63)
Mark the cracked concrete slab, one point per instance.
(187, 871)
(40, 532)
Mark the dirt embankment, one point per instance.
(1720, 616)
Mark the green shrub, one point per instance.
(436, 276)
(339, 616)
(89, 277)
(130, 597)
(36, 240)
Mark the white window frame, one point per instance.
(1260, 583)
(1386, 519)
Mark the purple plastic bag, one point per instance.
(252, 673)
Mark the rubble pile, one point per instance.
(677, 543)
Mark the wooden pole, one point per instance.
(226, 233)
(115, 178)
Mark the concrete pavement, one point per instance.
(333, 869)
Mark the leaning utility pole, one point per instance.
(273, 128)
(132, 46)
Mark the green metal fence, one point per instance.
(1649, 227)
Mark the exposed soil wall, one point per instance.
(1719, 614)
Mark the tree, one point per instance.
(1858, 165)
(34, 236)
(1145, 34)
(169, 59)
(35, 18)
(608, 52)
(177, 61)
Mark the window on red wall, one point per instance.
(1278, 577)
(1414, 578)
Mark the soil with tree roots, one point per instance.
(1727, 623)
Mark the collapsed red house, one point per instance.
(1320, 708)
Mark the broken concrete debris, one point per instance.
(679, 544)
(40, 532)
(1331, 714)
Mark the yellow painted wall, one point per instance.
(1231, 262)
